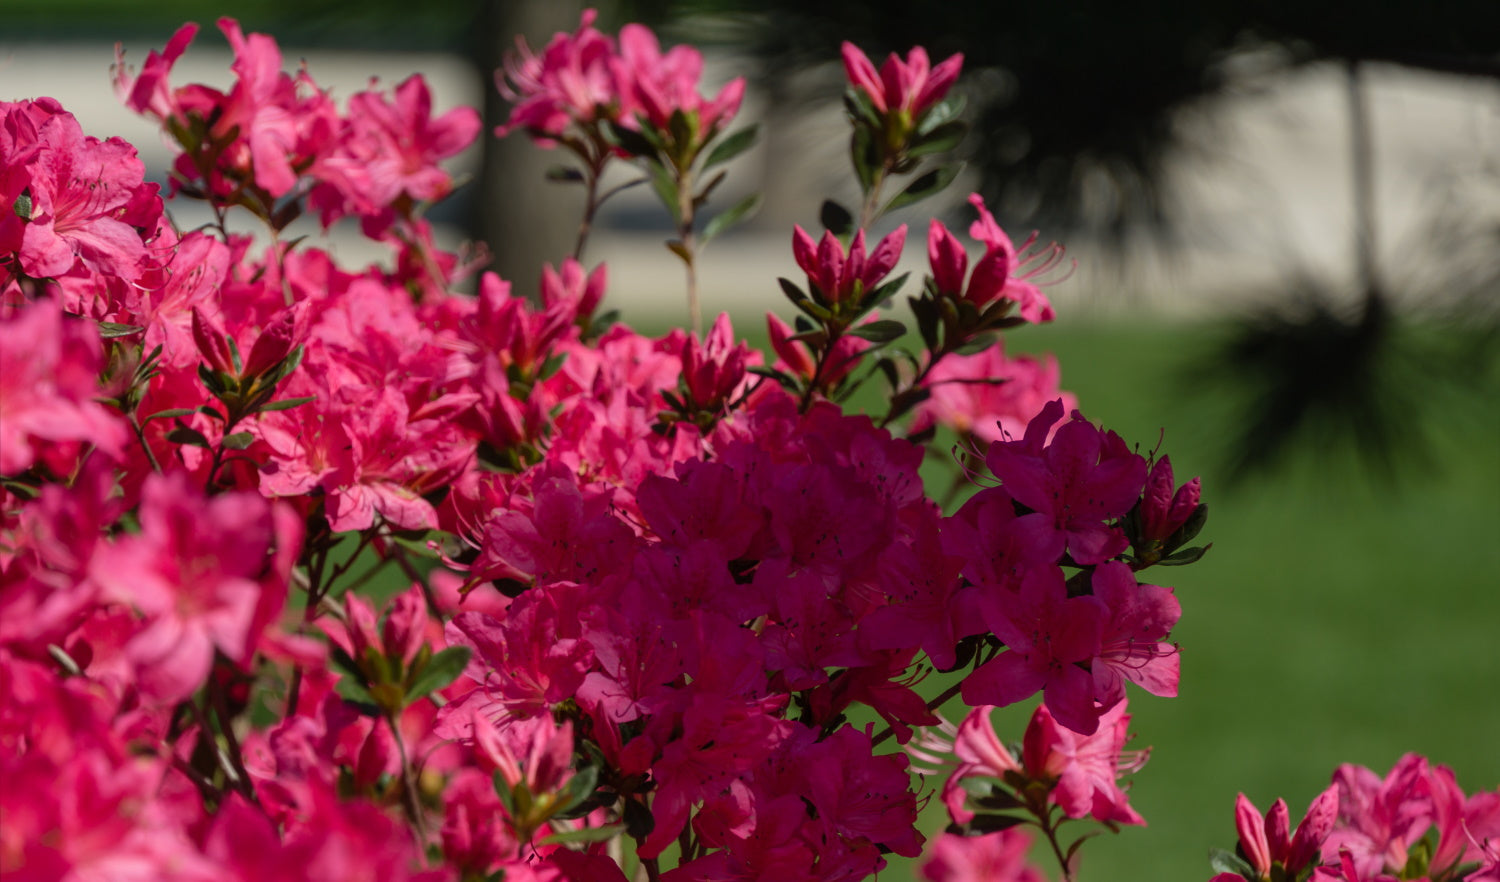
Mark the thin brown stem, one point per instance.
(590, 206)
(870, 210)
(1049, 829)
(226, 727)
(410, 799)
(140, 433)
(686, 212)
(931, 705)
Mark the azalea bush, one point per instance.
(650, 581)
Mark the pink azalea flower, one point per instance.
(862, 796)
(150, 92)
(713, 370)
(795, 358)
(976, 746)
(1132, 646)
(1003, 273)
(570, 286)
(656, 85)
(1380, 819)
(524, 665)
(721, 738)
(1048, 635)
(535, 752)
(835, 277)
(1074, 485)
(201, 572)
(475, 836)
(1267, 842)
(571, 81)
(49, 378)
(994, 857)
(906, 87)
(1086, 767)
(989, 395)
(88, 204)
(391, 147)
(1468, 828)
(1162, 511)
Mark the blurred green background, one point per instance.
(1345, 613)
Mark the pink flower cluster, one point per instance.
(273, 135)
(1415, 823)
(641, 588)
(582, 79)
(698, 574)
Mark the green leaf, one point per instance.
(732, 146)
(564, 174)
(234, 355)
(712, 185)
(170, 412)
(502, 790)
(22, 206)
(1222, 861)
(673, 401)
(860, 109)
(679, 248)
(907, 402)
(238, 441)
(1186, 556)
(111, 330)
(980, 343)
(883, 331)
(929, 184)
(940, 113)
(741, 211)
(602, 322)
(993, 823)
(344, 662)
(639, 822)
(999, 800)
(792, 292)
(356, 694)
(187, 435)
(629, 140)
(980, 785)
(443, 669)
(213, 381)
(943, 138)
(681, 128)
(836, 219)
(768, 373)
(1190, 528)
(865, 156)
(667, 191)
(580, 787)
(585, 834)
(552, 365)
(888, 290)
(287, 403)
(925, 309)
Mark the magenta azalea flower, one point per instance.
(836, 277)
(908, 87)
(1051, 637)
(1076, 485)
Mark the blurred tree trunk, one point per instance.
(525, 220)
